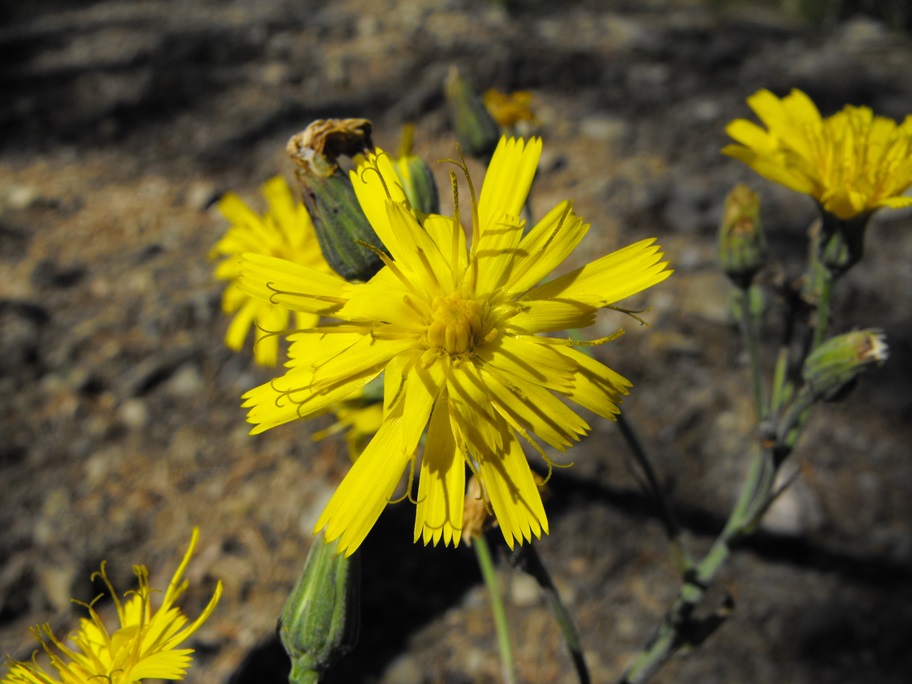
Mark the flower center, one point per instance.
(455, 325)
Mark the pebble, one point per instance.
(524, 590)
(133, 413)
(796, 512)
(201, 195)
(186, 382)
(403, 670)
(21, 196)
(604, 127)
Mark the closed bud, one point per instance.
(832, 368)
(476, 130)
(327, 193)
(415, 175)
(321, 616)
(742, 246)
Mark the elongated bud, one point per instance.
(329, 197)
(321, 616)
(832, 368)
(476, 130)
(742, 246)
(416, 177)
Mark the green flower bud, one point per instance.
(840, 243)
(321, 616)
(476, 129)
(416, 177)
(832, 368)
(327, 193)
(742, 246)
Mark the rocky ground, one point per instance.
(120, 426)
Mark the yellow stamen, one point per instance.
(455, 325)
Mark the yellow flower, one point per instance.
(851, 162)
(359, 416)
(511, 109)
(455, 331)
(286, 231)
(143, 647)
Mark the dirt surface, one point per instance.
(120, 426)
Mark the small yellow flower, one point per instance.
(511, 110)
(851, 162)
(143, 647)
(285, 231)
(455, 329)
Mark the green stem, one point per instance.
(751, 340)
(672, 527)
(823, 306)
(483, 553)
(680, 627)
(528, 559)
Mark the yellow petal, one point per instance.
(536, 409)
(596, 387)
(385, 298)
(514, 496)
(496, 251)
(771, 168)
(471, 412)
(441, 487)
(508, 180)
(297, 287)
(549, 315)
(413, 249)
(449, 236)
(366, 489)
(376, 184)
(423, 386)
(609, 279)
(275, 404)
(752, 136)
(535, 363)
(546, 247)
(240, 324)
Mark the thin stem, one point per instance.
(751, 341)
(823, 306)
(779, 393)
(528, 559)
(680, 627)
(483, 553)
(672, 527)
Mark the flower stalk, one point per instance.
(498, 611)
(527, 559)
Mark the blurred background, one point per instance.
(123, 122)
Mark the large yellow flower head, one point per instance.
(285, 231)
(851, 162)
(455, 329)
(145, 646)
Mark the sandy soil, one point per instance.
(120, 428)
